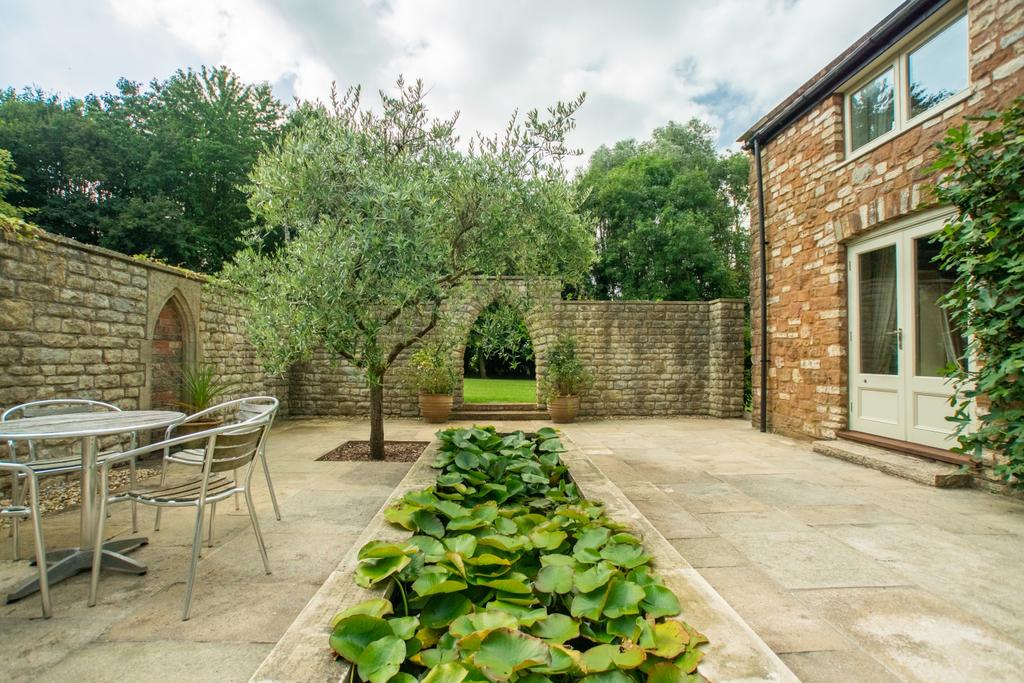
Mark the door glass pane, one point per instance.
(877, 312)
(939, 343)
(872, 110)
(938, 69)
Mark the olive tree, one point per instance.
(380, 216)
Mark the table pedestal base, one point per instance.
(68, 562)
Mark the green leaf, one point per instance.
(379, 549)
(689, 660)
(556, 628)
(587, 580)
(554, 579)
(625, 555)
(482, 621)
(623, 598)
(374, 607)
(513, 583)
(431, 548)
(373, 571)
(404, 627)
(666, 672)
(605, 657)
(437, 581)
(670, 639)
(613, 676)
(427, 522)
(353, 634)
(441, 610)
(547, 540)
(463, 544)
(381, 659)
(505, 651)
(589, 605)
(659, 602)
(449, 672)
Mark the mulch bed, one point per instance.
(359, 451)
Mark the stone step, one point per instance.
(928, 472)
(498, 415)
(503, 407)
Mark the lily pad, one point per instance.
(441, 610)
(670, 639)
(554, 579)
(353, 634)
(374, 607)
(556, 628)
(372, 571)
(381, 659)
(404, 627)
(592, 578)
(450, 672)
(505, 651)
(434, 582)
(626, 555)
(659, 602)
(623, 598)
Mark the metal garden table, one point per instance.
(88, 427)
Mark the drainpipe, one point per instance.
(764, 287)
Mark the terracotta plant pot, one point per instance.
(435, 407)
(564, 408)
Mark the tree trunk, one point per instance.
(483, 366)
(377, 421)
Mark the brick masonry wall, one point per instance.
(648, 359)
(79, 321)
(86, 322)
(816, 201)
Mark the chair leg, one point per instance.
(270, 485)
(16, 495)
(197, 541)
(163, 478)
(256, 530)
(132, 483)
(37, 530)
(237, 508)
(97, 551)
(213, 516)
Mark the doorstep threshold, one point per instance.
(894, 463)
(907, 447)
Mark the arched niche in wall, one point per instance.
(172, 344)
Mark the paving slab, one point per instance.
(919, 636)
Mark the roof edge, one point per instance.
(866, 49)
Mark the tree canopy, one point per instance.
(669, 215)
(388, 217)
(156, 170)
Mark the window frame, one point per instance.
(898, 60)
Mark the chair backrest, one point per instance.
(57, 406)
(249, 408)
(235, 449)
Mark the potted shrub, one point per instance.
(433, 374)
(201, 388)
(565, 379)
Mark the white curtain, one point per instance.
(878, 311)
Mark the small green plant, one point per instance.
(202, 387)
(511, 575)
(432, 368)
(565, 374)
(984, 245)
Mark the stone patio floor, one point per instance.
(847, 573)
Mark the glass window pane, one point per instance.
(939, 342)
(877, 311)
(938, 69)
(872, 110)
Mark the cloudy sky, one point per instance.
(641, 62)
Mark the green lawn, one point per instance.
(499, 390)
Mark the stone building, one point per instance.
(855, 338)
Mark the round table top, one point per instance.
(70, 425)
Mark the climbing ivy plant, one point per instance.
(984, 245)
(510, 575)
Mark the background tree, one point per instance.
(669, 215)
(156, 171)
(499, 343)
(9, 182)
(390, 219)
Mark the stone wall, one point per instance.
(80, 321)
(816, 200)
(86, 322)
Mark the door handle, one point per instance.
(899, 337)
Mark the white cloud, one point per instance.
(641, 63)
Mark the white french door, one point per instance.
(900, 338)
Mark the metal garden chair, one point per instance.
(45, 467)
(240, 410)
(16, 511)
(225, 449)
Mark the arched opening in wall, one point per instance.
(168, 356)
(498, 362)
